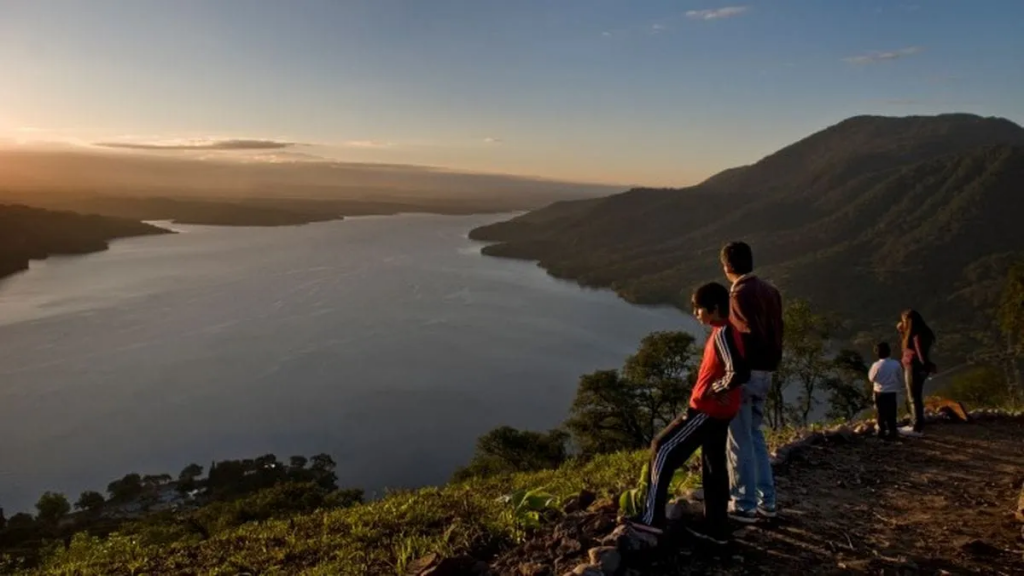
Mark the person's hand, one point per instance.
(721, 398)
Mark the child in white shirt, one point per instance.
(887, 376)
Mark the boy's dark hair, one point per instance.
(882, 350)
(739, 257)
(711, 297)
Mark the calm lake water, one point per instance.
(388, 342)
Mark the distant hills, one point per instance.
(31, 234)
(39, 173)
(223, 191)
(864, 218)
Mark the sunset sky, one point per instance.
(654, 92)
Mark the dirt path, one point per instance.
(941, 504)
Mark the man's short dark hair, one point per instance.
(739, 257)
(712, 296)
(882, 350)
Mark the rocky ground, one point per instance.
(850, 504)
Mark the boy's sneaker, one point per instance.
(743, 516)
(767, 511)
(701, 532)
(639, 525)
(910, 432)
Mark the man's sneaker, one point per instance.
(767, 512)
(713, 536)
(909, 431)
(744, 516)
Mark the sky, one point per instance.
(659, 92)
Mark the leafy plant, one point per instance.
(529, 507)
(633, 501)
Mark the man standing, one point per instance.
(756, 311)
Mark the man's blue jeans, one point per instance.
(750, 471)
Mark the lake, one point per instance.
(388, 342)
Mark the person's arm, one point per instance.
(873, 374)
(920, 351)
(737, 373)
(739, 309)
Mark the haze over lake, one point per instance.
(388, 342)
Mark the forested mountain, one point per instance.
(864, 218)
(32, 233)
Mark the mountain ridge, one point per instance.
(865, 217)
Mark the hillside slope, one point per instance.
(941, 504)
(864, 218)
(849, 506)
(32, 233)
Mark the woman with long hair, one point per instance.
(917, 339)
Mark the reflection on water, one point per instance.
(390, 343)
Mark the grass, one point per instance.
(379, 537)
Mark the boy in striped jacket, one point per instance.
(713, 403)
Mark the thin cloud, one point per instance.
(716, 13)
(492, 140)
(287, 156)
(876, 57)
(368, 144)
(201, 145)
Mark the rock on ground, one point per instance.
(942, 503)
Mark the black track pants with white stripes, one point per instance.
(672, 448)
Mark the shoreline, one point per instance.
(457, 237)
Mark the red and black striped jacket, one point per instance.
(723, 371)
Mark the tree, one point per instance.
(505, 450)
(190, 472)
(804, 362)
(226, 477)
(322, 466)
(345, 498)
(281, 500)
(21, 521)
(660, 369)
(298, 462)
(605, 416)
(979, 386)
(127, 488)
(849, 392)
(624, 410)
(51, 507)
(266, 461)
(90, 501)
(322, 463)
(154, 481)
